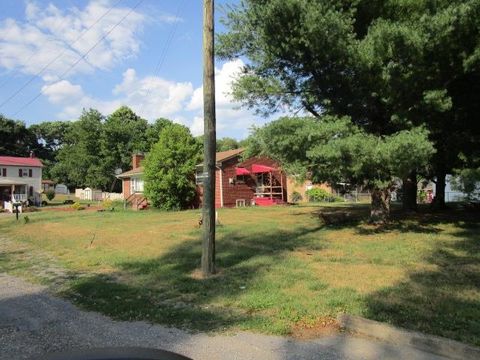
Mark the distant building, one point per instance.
(20, 181)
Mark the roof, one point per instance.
(136, 171)
(226, 155)
(20, 161)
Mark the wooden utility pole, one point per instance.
(208, 244)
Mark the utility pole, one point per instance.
(208, 243)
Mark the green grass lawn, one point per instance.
(280, 269)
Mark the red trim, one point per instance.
(257, 168)
(241, 171)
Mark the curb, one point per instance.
(429, 343)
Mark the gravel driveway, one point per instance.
(34, 322)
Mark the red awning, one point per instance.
(242, 171)
(257, 168)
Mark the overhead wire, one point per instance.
(168, 42)
(62, 76)
(44, 68)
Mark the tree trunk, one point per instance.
(409, 200)
(439, 199)
(380, 207)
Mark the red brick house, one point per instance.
(254, 181)
(132, 184)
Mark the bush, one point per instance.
(107, 204)
(320, 195)
(50, 194)
(77, 206)
(296, 197)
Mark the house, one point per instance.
(20, 181)
(238, 182)
(132, 183)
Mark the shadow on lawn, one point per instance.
(443, 300)
(168, 291)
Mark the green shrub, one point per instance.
(296, 197)
(77, 206)
(107, 204)
(421, 196)
(320, 195)
(50, 194)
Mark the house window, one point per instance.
(241, 179)
(136, 185)
(24, 172)
(3, 172)
(30, 173)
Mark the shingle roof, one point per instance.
(137, 171)
(225, 155)
(20, 161)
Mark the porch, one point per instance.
(12, 193)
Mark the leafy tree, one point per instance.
(389, 65)
(123, 133)
(227, 143)
(335, 150)
(79, 161)
(170, 167)
(154, 130)
(50, 136)
(15, 138)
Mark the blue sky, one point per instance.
(41, 40)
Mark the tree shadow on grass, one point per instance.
(444, 298)
(168, 291)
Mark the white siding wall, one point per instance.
(12, 176)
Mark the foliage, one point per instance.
(107, 204)
(468, 182)
(296, 197)
(421, 196)
(227, 143)
(50, 194)
(15, 138)
(77, 206)
(320, 195)
(170, 167)
(123, 133)
(334, 150)
(389, 65)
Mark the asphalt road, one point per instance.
(33, 322)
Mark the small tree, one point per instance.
(335, 150)
(170, 168)
(50, 194)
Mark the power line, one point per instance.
(33, 77)
(61, 77)
(168, 42)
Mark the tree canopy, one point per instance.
(170, 168)
(335, 150)
(389, 65)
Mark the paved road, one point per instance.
(34, 322)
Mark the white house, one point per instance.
(20, 180)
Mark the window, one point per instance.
(241, 179)
(3, 172)
(136, 185)
(24, 172)
(30, 172)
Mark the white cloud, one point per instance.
(230, 116)
(152, 97)
(28, 46)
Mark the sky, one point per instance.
(58, 57)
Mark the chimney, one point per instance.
(32, 154)
(136, 159)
